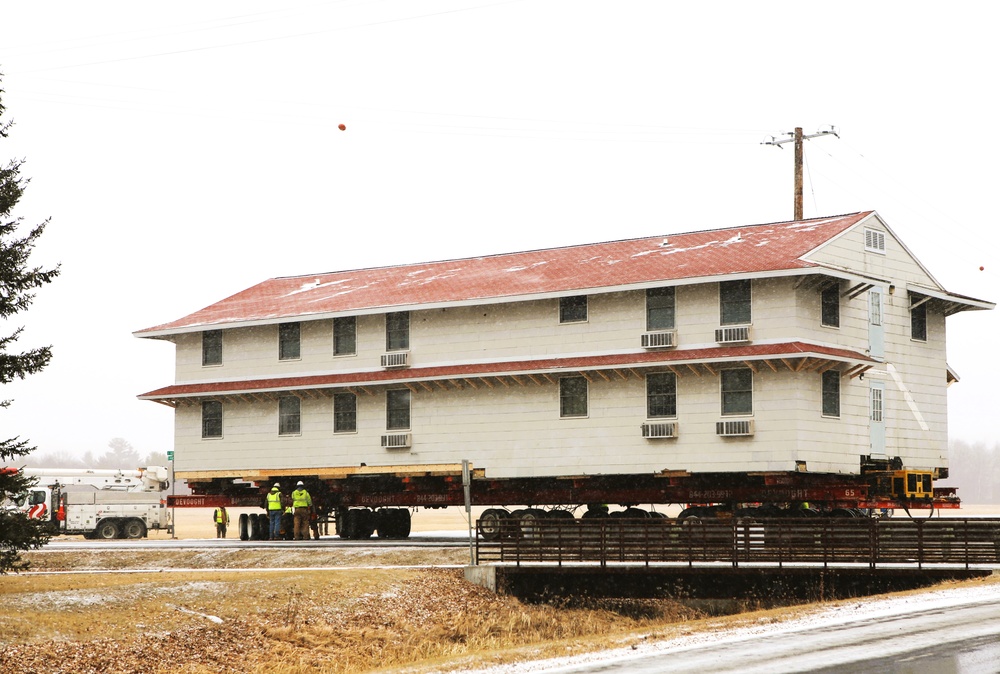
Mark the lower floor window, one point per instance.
(661, 395)
(211, 419)
(289, 415)
(345, 413)
(831, 393)
(737, 391)
(572, 397)
(397, 409)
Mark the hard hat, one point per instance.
(276, 487)
(300, 484)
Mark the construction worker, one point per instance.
(221, 519)
(287, 520)
(274, 510)
(302, 503)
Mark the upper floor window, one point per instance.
(289, 415)
(661, 395)
(737, 391)
(918, 322)
(660, 308)
(211, 347)
(572, 397)
(288, 341)
(345, 336)
(831, 393)
(734, 302)
(345, 413)
(830, 306)
(397, 331)
(573, 309)
(874, 241)
(211, 419)
(397, 409)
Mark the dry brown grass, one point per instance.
(298, 621)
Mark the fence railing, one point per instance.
(773, 541)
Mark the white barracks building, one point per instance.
(792, 346)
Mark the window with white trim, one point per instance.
(211, 419)
(737, 391)
(918, 322)
(830, 307)
(211, 347)
(397, 409)
(289, 415)
(345, 413)
(573, 309)
(660, 308)
(397, 331)
(661, 395)
(572, 397)
(289, 344)
(831, 393)
(345, 336)
(734, 302)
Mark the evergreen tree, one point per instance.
(18, 283)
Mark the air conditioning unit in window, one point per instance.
(734, 428)
(396, 441)
(396, 359)
(660, 430)
(734, 334)
(662, 339)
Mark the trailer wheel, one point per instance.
(393, 523)
(244, 526)
(134, 528)
(262, 531)
(107, 529)
(491, 523)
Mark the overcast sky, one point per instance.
(188, 150)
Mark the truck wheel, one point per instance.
(107, 529)
(491, 523)
(244, 526)
(134, 529)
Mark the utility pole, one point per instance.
(797, 138)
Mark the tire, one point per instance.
(263, 527)
(244, 526)
(491, 523)
(134, 528)
(107, 529)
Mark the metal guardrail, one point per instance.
(739, 541)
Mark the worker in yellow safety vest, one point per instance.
(221, 519)
(274, 512)
(302, 504)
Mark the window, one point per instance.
(734, 302)
(345, 336)
(211, 347)
(572, 397)
(289, 415)
(397, 331)
(660, 308)
(288, 341)
(918, 322)
(661, 395)
(573, 309)
(831, 393)
(397, 409)
(830, 307)
(345, 413)
(211, 419)
(875, 241)
(737, 391)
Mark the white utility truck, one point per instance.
(98, 503)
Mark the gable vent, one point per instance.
(396, 441)
(658, 340)
(734, 428)
(738, 333)
(396, 359)
(875, 240)
(660, 430)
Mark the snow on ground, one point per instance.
(825, 617)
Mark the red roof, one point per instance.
(740, 250)
(757, 352)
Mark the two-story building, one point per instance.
(796, 346)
